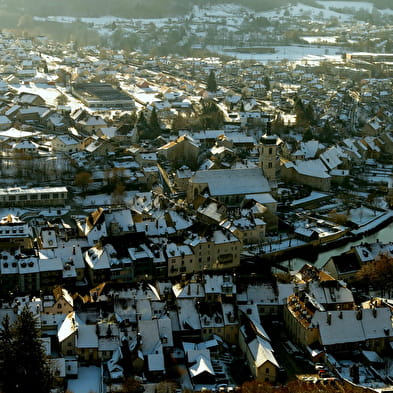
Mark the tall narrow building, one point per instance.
(268, 154)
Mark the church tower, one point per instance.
(268, 154)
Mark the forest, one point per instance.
(140, 8)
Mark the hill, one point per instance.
(143, 8)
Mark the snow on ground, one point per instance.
(102, 199)
(219, 10)
(363, 215)
(373, 224)
(47, 92)
(366, 377)
(88, 381)
(307, 53)
(281, 245)
(320, 40)
(304, 10)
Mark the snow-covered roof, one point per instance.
(351, 326)
(314, 168)
(87, 336)
(262, 352)
(233, 181)
(69, 326)
(202, 365)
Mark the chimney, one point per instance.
(359, 314)
(329, 318)
(73, 250)
(374, 312)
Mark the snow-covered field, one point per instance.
(88, 381)
(300, 9)
(308, 53)
(320, 39)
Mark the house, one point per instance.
(202, 372)
(15, 233)
(99, 261)
(60, 303)
(181, 259)
(93, 227)
(5, 123)
(183, 149)
(255, 344)
(65, 144)
(312, 173)
(90, 124)
(218, 250)
(337, 330)
(343, 266)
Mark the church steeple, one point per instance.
(268, 153)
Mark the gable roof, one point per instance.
(202, 365)
(233, 181)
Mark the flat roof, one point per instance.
(100, 92)
(35, 190)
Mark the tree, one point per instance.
(377, 273)
(141, 124)
(154, 125)
(308, 135)
(211, 115)
(338, 218)
(266, 82)
(117, 197)
(131, 385)
(83, 179)
(6, 346)
(61, 99)
(24, 366)
(211, 84)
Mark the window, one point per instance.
(59, 305)
(267, 370)
(23, 197)
(270, 165)
(270, 150)
(45, 196)
(33, 197)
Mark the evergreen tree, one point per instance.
(24, 366)
(211, 85)
(154, 125)
(7, 357)
(211, 116)
(266, 82)
(308, 135)
(141, 124)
